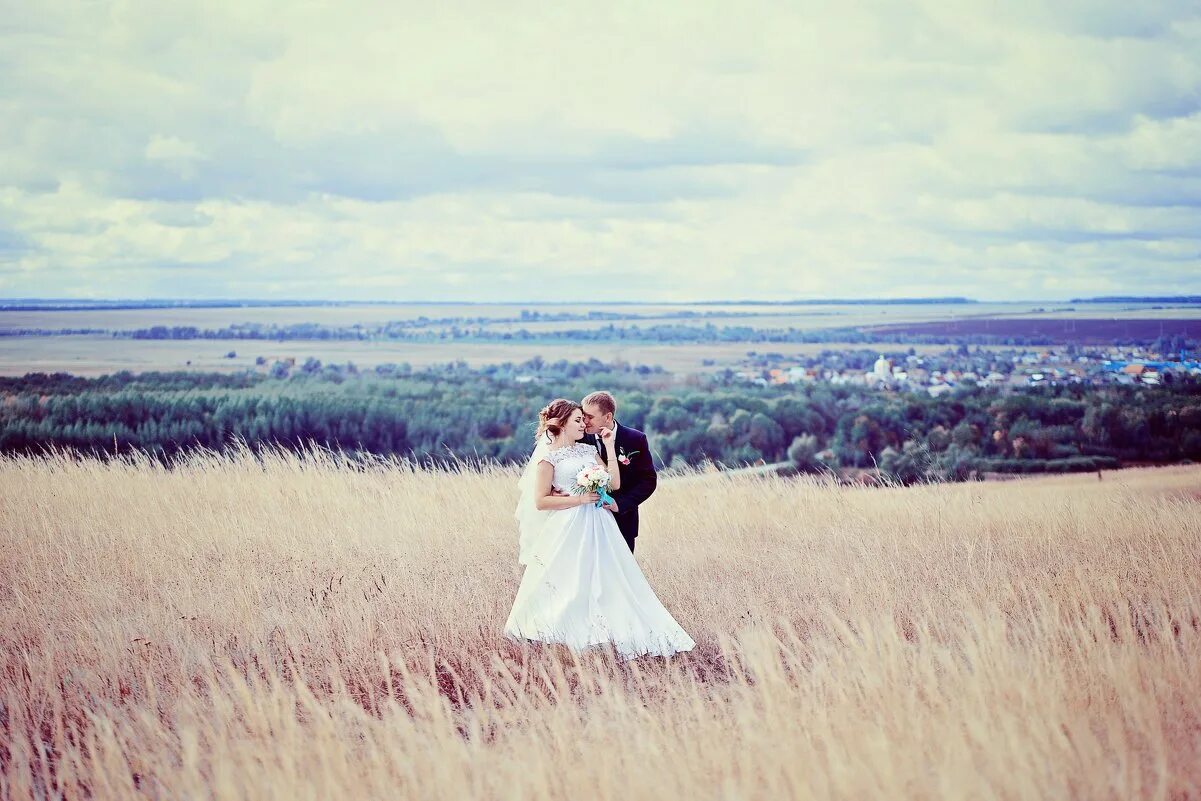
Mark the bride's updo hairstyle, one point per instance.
(554, 416)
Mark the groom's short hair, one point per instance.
(601, 400)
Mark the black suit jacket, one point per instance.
(638, 478)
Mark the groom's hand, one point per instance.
(556, 493)
(612, 507)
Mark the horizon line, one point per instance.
(197, 302)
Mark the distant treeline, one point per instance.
(452, 412)
(660, 333)
(1137, 299)
(51, 332)
(841, 302)
(68, 304)
(72, 304)
(663, 333)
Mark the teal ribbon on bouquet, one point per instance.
(605, 497)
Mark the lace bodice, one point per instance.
(569, 461)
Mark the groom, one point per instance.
(638, 478)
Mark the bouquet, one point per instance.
(593, 478)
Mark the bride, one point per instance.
(581, 585)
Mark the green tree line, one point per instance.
(453, 412)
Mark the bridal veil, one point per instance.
(529, 518)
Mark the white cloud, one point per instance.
(684, 150)
(1173, 144)
(177, 154)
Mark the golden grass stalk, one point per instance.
(292, 626)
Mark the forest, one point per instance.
(455, 413)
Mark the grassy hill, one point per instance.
(304, 627)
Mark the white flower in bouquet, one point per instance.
(593, 478)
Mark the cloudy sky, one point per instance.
(642, 151)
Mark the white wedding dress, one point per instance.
(581, 585)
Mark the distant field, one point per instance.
(99, 355)
(123, 319)
(95, 355)
(806, 319)
(799, 316)
(1079, 330)
(1106, 312)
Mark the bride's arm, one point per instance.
(544, 501)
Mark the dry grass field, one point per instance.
(305, 628)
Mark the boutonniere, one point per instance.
(624, 457)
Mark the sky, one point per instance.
(614, 151)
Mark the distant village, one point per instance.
(933, 373)
(938, 374)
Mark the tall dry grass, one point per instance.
(305, 628)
